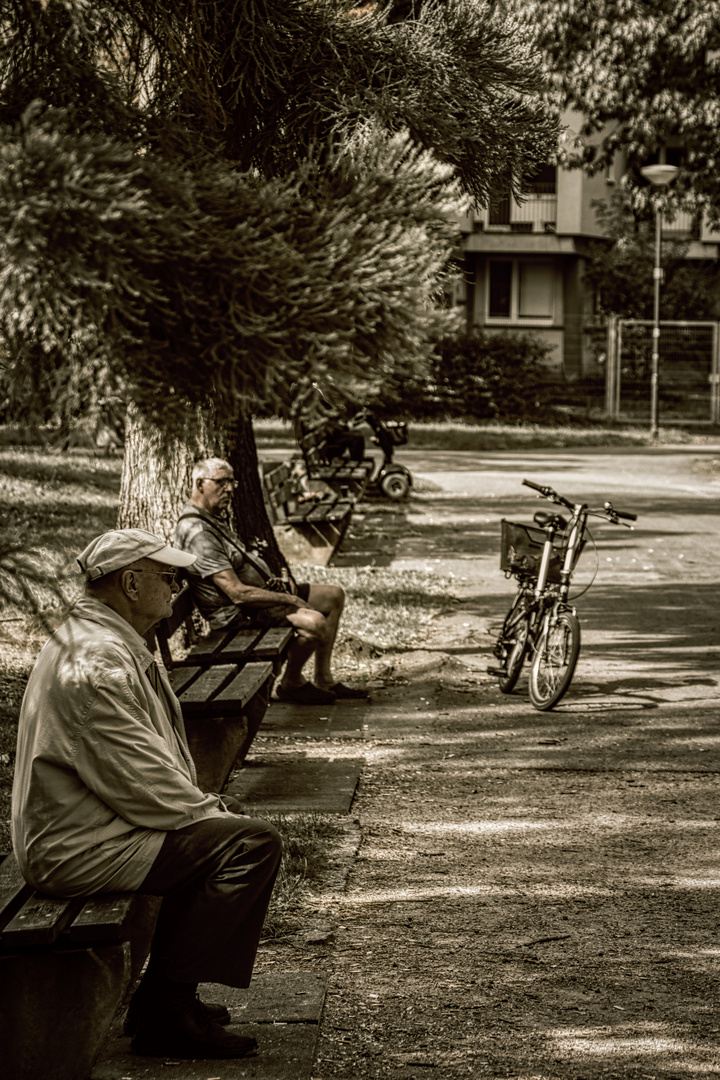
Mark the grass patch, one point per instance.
(309, 845)
(458, 435)
(386, 610)
(450, 436)
(13, 677)
(51, 504)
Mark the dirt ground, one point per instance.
(535, 895)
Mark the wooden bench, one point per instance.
(321, 521)
(223, 683)
(341, 474)
(66, 965)
(65, 969)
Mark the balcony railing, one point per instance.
(536, 213)
(682, 223)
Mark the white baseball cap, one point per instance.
(120, 547)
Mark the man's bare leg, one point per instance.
(300, 651)
(329, 600)
(311, 628)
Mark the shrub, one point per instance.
(490, 375)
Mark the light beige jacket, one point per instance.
(102, 770)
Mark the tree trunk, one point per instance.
(252, 522)
(156, 479)
(156, 474)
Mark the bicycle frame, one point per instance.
(541, 620)
(577, 527)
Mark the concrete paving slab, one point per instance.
(282, 784)
(290, 997)
(281, 1009)
(343, 720)
(286, 1052)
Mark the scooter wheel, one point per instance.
(395, 486)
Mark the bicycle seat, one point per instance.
(543, 518)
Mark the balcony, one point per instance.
(682, 224)
(537, 213)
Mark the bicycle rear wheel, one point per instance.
(514, 640)
(555, 658)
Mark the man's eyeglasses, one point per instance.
(223, 481)
(169, 574)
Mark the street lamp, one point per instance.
(659, 176)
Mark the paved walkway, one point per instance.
(529, 895)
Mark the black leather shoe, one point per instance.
(214, 1011)
(307, 694)
(191, 1035)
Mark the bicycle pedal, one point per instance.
(500, 671)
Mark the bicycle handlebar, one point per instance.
(619, 513)
(550, 493)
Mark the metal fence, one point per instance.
(688, 376)
(603, 369)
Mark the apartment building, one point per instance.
(524, 262)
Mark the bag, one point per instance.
(253, 569)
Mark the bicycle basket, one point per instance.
(521, 549)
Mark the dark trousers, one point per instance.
(215, 877)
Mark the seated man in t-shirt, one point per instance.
(231, 585)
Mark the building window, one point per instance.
(542, 182)
(501, 274)
(676, 155)
(535, 290)
(521, 289)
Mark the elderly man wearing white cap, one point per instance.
(105, 798)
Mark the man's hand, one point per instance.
(232, 804)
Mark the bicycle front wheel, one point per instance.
(515, 638)
(555, 658)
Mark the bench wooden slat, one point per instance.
(40, 921)
(324, 513)
(102, 919)
(208, 684)
(209, 645)
(301, 512)
(329, 513)
(241, 644)
(273, 642)
(241, 647)
(181, 677)
(245, 684)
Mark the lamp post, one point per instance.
(659, 176)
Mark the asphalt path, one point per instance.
(536, 893)
(648, 598)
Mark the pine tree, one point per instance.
(219, 201)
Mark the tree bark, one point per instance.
(156, 473)
(156, 479)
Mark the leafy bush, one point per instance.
(482, 375)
